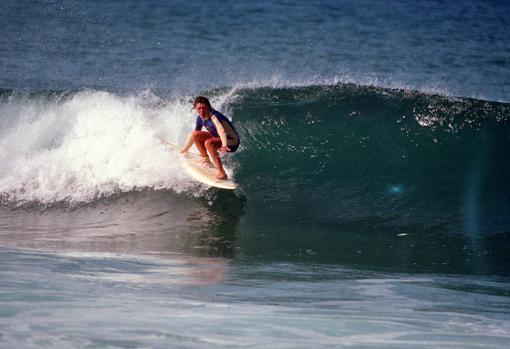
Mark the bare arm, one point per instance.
(189, 143)
(221, 132)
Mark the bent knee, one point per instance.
(209, 144)
(200, 136)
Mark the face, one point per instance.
(202, 110)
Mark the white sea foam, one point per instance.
(90, 145)
(281, 81)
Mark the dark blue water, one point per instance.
(374, 199)
(456, 48)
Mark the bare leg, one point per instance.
(201, 138)
(212, 145)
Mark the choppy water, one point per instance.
(374, 200)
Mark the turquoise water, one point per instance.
(373, 203)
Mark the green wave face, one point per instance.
(329, 169)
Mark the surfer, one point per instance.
(220, 135)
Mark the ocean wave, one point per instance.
(339, 141)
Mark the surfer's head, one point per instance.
(202, 106)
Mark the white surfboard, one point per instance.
(205, 173)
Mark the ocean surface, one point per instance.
(373, 208)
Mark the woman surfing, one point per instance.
(220, 135)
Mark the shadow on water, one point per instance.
(143, 222)
(224, 209)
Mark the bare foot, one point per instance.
(205, 160)
(221, 176)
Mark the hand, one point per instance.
(184, 151)
(224, 149)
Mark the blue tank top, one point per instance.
(232, 136)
